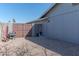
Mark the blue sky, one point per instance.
(22, 13)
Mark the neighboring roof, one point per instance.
(42, 19)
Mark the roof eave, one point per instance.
(39, 21)
(42, 16)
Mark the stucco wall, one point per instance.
(63, 26)
(62, 9)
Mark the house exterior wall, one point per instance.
(64, 23)
(38, 28)
(62, 9)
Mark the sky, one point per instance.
(22, 12)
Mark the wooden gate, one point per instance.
(22, 30)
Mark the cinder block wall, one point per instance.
(22, 30)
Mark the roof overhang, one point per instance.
(48, 10)
(39, 21)
(43, 19)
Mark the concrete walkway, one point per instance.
(56, 47)
(38, 46)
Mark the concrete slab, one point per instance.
(56, 47)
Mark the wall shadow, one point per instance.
(29, 34)
(61, 47)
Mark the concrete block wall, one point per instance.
(22, 30)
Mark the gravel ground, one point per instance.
(21, 47)
(37, 46)
(15, 47)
